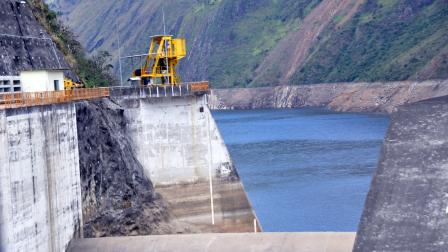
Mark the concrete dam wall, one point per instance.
(406, 207)
(176, 139)
(182, 152)
(116, 167)
(40, 193)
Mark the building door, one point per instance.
(56, 85)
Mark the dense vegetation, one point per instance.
(230, 40)
(93, 71)
(244, 32)
(386, 40)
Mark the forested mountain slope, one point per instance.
(243, 43)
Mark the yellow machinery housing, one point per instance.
(160, 64)
(70, 85)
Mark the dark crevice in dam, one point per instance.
(117, 197)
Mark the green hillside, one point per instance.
(244, 32)
(386, 40)
(238, 43)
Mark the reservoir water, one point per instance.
(304, 169)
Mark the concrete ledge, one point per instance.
(280, 242)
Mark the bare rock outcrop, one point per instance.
(356, 97)
(24, 43)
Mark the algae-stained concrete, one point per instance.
(261, 242)
(407, 205)
(40, 194)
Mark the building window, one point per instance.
(9, 84)
(56, 85)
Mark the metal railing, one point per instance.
(182, 89)
(29, 99)
(202, 86)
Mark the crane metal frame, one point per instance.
(164, 54)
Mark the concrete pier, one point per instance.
(406, 207)
(40, 194)
(182, 152)
(176, 139)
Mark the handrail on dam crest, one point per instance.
(30, 99)
(181, 89)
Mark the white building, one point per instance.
(42, 80)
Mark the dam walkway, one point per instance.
(235, 242)
(31, 99)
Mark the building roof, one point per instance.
(24, 43)
(45, 69)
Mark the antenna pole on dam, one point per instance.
(210, 167)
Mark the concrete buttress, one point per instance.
(39, 178)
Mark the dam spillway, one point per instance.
(174, 138)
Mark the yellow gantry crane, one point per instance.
(161, 61)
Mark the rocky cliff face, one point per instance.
(356, 97)
(117, 197)
(24, 43)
